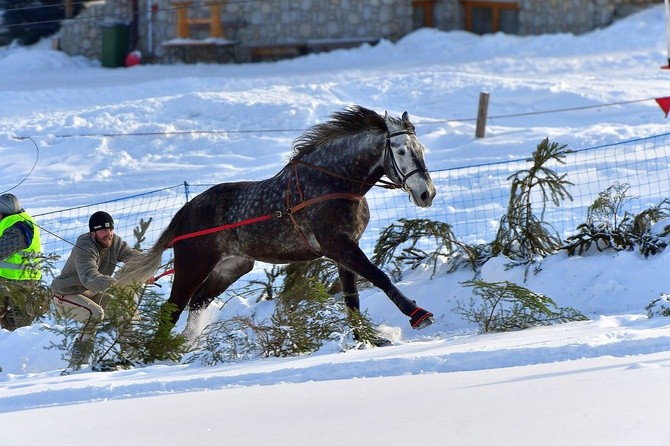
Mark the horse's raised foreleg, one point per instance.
(357, 261)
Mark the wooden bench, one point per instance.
(191, 45)
(322, 45)
(184, 22)
(271, 52)
(213, 25)
(201, 50)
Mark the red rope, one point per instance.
(164, 273)
(220, 228)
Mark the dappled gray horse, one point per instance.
(314, 207)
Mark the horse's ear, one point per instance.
(405, 121)
(386, 115)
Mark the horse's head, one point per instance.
(404, 161)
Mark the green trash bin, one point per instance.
(115, 44)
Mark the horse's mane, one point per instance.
(350, 121)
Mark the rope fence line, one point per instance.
(295, 130)
(471, 199)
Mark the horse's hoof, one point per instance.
(421, 318)
(112, 365)
(381, 342)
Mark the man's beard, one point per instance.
(105, 241)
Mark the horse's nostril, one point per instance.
(425, 196)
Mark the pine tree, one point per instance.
(523, 233)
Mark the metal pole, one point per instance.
(150, 31)
(134, 25)
(187, 191)
(667, 30)
(69, 9)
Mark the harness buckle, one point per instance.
(280, 214)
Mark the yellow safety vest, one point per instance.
(19, 266)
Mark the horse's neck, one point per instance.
(359, 159)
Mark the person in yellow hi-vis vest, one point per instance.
(20, 243)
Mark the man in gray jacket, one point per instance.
(79, 291)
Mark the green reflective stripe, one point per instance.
(19, 275)
(19, 271)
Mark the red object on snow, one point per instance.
(664, 103)
(133, 58)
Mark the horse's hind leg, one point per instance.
(222, 276)
(349, 288)
(189, 276)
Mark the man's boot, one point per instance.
(81, 353)
(130, 350)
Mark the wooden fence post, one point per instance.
(482, 112)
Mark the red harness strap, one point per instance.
(220, 228)
(278, 214)
(304, 203)
(334, 196)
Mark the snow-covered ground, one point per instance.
(601, 381)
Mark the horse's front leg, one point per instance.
(350, 293)
(357, 261)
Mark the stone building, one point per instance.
(241, 31)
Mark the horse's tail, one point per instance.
(141, 267)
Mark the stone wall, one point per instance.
(268, 22)
(573, 16)
(550, 16)
(285, 21)
(83, 34)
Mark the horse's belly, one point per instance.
(278, 244)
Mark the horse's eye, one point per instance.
(402, 151)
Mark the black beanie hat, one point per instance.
(100, 220)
